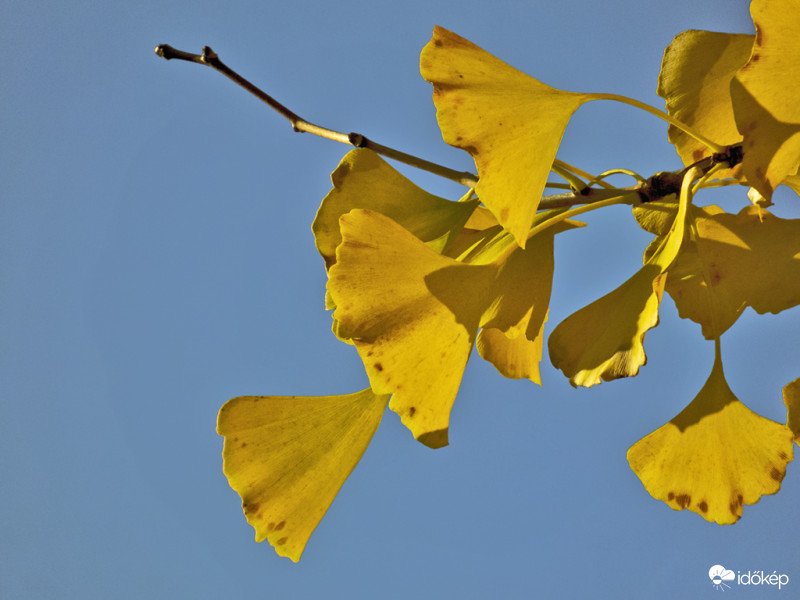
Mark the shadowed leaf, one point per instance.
(748, 259)
(791, 397)
(605, 340)
(765, 93)
(695, 82)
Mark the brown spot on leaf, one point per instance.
(378, 366)
(412, 411)
(703, 506)
(736, 505)
(438, 43)
(280, 525)
(358, 244)
(243, 445)
(251, 507)
(776, 474)
(281, 541)
(670, 496)
(783, 456)
(683, 500)
(697, 154)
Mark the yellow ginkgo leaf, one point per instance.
(605, 340)
(657, 216)
(364, 180)
(509, 122)
(515, 353)
(512, 334)
(412, 314)
(695, 82)
(748, 259)
(765, 93)
(715, 456)
(287, 457)
(791, 397)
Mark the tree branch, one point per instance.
(658, 186)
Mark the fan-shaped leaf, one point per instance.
(287, 457)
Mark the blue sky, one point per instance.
(157, 259)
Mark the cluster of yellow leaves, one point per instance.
(415, 281)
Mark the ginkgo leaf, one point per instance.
(657, 216)
(509, 122)
(791, 398)
(715, 456)
(695, 79)
(287, 457)
(511, 338)
(412, 314)
(515, 353)
(793, 181)
(364, 180)
(605, 340)
(748, 259)
(765, 93)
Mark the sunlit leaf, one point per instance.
(287, 457)
(715, 456)
(509, 122)
(765, 93)
(412, 314)
(791, 397)
(695, 82)
(364, 180)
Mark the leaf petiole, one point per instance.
(662, 115)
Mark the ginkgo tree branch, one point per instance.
(658, 186)
(211, 59)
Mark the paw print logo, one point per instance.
(719, 575)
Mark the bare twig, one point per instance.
(211, 59)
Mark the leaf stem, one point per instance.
(622, 197)
(579, 172)
(662, 115)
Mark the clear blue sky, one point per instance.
(157, 259)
